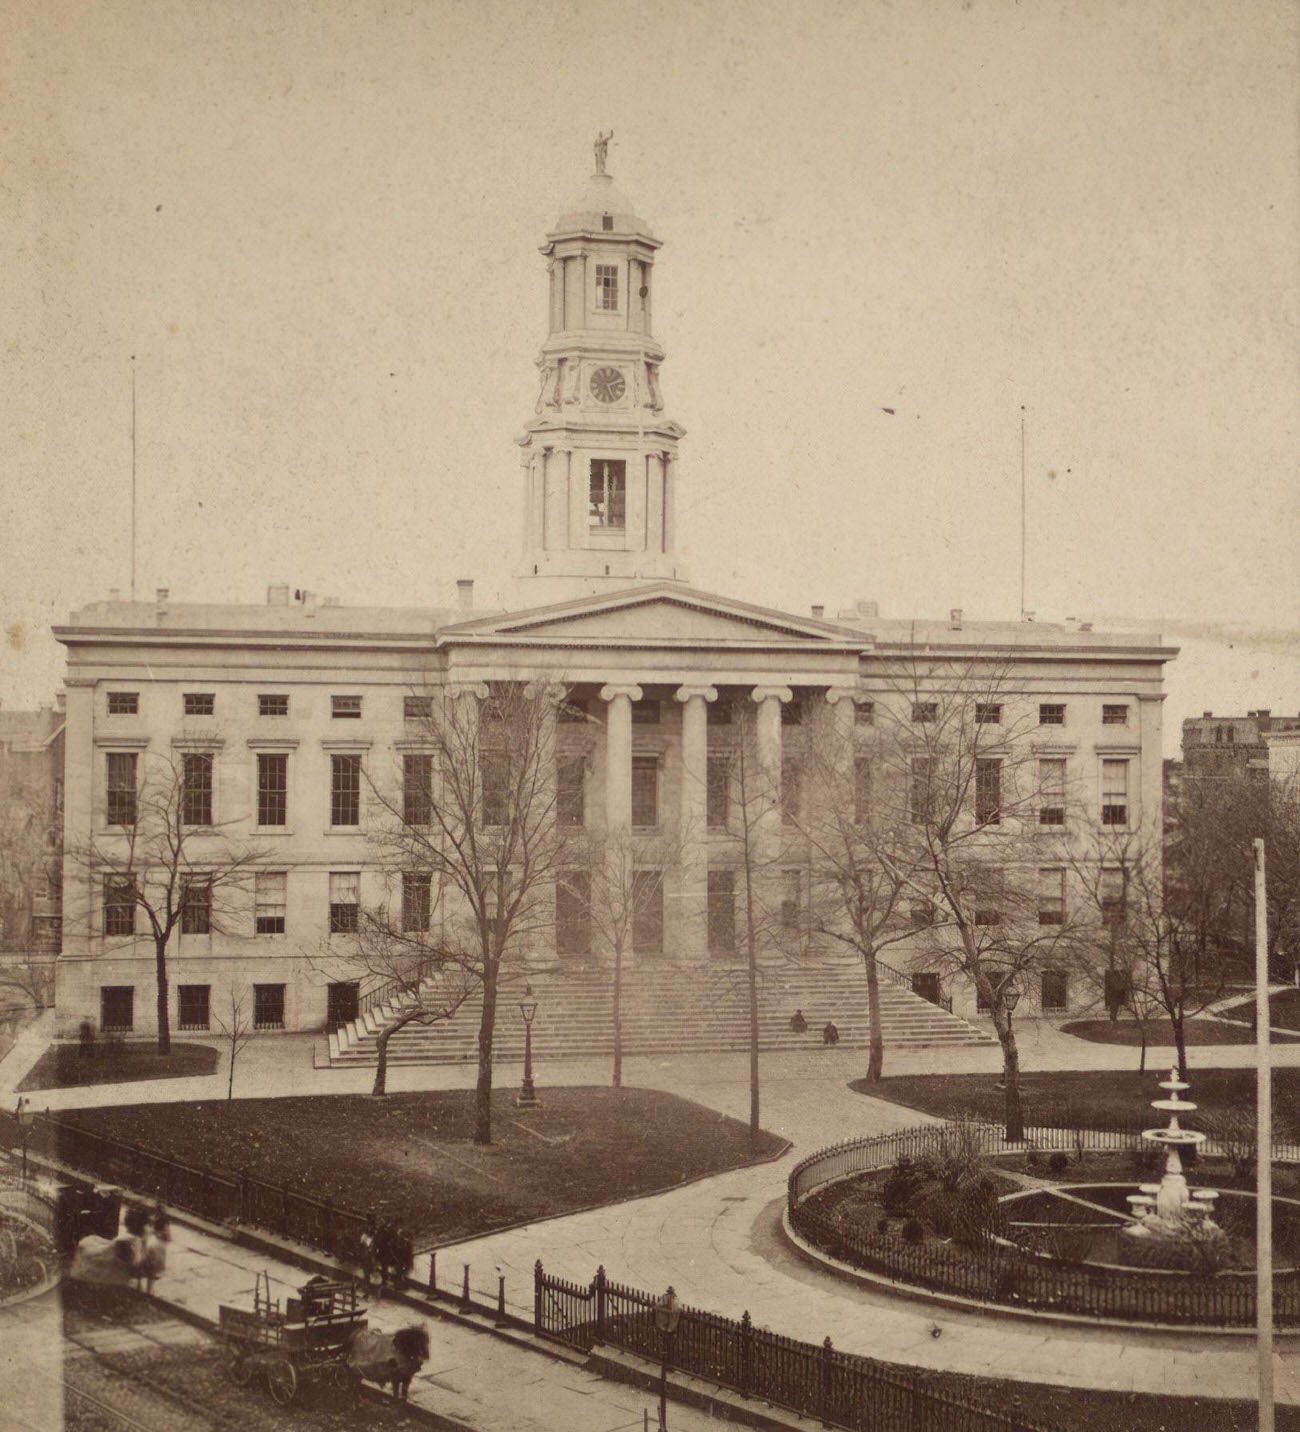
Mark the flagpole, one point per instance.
(133, 477)
(1022, 512)
(1263, 1152)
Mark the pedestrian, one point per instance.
(384, 1235)
(85, 1039)
(367, 1258)
(403, 1257)
(830, 1035)
(798, 1023)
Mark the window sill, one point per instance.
(342, 830)
(263, 830)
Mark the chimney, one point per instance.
(465, 594)
(867, 609)
(163, 593)
(61, 702)
(1206, 715)
(818, 610)
(954, 619)
(277, 594)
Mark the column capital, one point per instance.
(771, 693)
(614, 690)
(687, 692)
(477, 689)
(846, 693)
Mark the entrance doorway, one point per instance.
(927, 986)
(342, 1003)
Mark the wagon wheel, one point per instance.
(236, 1363)
(345, 1383)
(282, 1381)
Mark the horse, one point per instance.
(388, 1357)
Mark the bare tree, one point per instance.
(237, 1030)
(955, 754)
(163, 854)
(476, 811)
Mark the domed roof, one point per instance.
(599, 197)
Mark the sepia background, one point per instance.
(311, 229)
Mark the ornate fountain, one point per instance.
(1169, 1222)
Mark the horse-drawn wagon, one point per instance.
(307, 1340)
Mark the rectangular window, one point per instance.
(192, 1006)
(608, 493)
(417, 788)
(117, 1008)
(1114, 793)
(645, 792)
(570, 806)
(345, 790)
(921, 803)
(861, 790)
(1055, 990)
(123, 703)
(988, 713)
(987, 898)
(647, 911)
(268, 1006)
(272, 788)
(345, 901)
(988, 791)
(1051, 896)
(1113, 898)
(718, 794)
(269, 704)
(1051, 791)
(790, 890)
(791, 790)
(196, 906)
(417, 708)
(268, 902)
(196, 788)
(494, 775)
(645, 712)
(417, 886)
(1114, 715)
(925, 711)
(199, 703)
(1051, 713)
(573, 913)
(345, 708)
(607, 288)
(119, 905)
(121, 788)
(864, 713)
(721, 917)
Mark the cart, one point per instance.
(306, 1341)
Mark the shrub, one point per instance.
(901, 1186)
(913, 1232)
(1033, 1160)
(1058, 1163)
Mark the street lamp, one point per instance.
(25, 1117)
(528, 1008)
(667, 1312)
(1010, 993)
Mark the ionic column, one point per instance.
(769, 700)
(842, 703)
(618, 757)
(692, 938)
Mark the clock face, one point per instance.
(608, 385)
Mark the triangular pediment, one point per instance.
(664, 614)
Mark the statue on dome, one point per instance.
(601, 146)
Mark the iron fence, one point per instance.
(1010, 1276)
(813, 1379)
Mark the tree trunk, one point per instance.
(752, 963)
(1180, 1044)
(381, 1067)
(230, 1082)
(876, 1055)
(1015, 1122)
(483, 1088)
(164, 1023)
(618, 1014)
(1142, 1058)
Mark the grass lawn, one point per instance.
(1198, 1031)
(63, 1065)
(410, 1156)
(1102, 1098)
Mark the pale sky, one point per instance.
(315, 225)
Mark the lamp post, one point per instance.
(527, 1093)
(667, 1312)
(24, 1114)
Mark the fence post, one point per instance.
(537, 1296)
(433, 1272)
(244, 1199)
(464, 1291)
(828, 1375)
(329, 1225)
(746, 1353)
(598, 1288)
(284, 1208)
(501, 1296)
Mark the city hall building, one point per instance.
(275, 712)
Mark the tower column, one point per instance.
(769, 700)
(693, 863)
(618, 757)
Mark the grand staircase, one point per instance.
(665, 1011)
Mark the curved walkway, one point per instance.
(718, 1241)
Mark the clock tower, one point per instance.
(599, 458)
